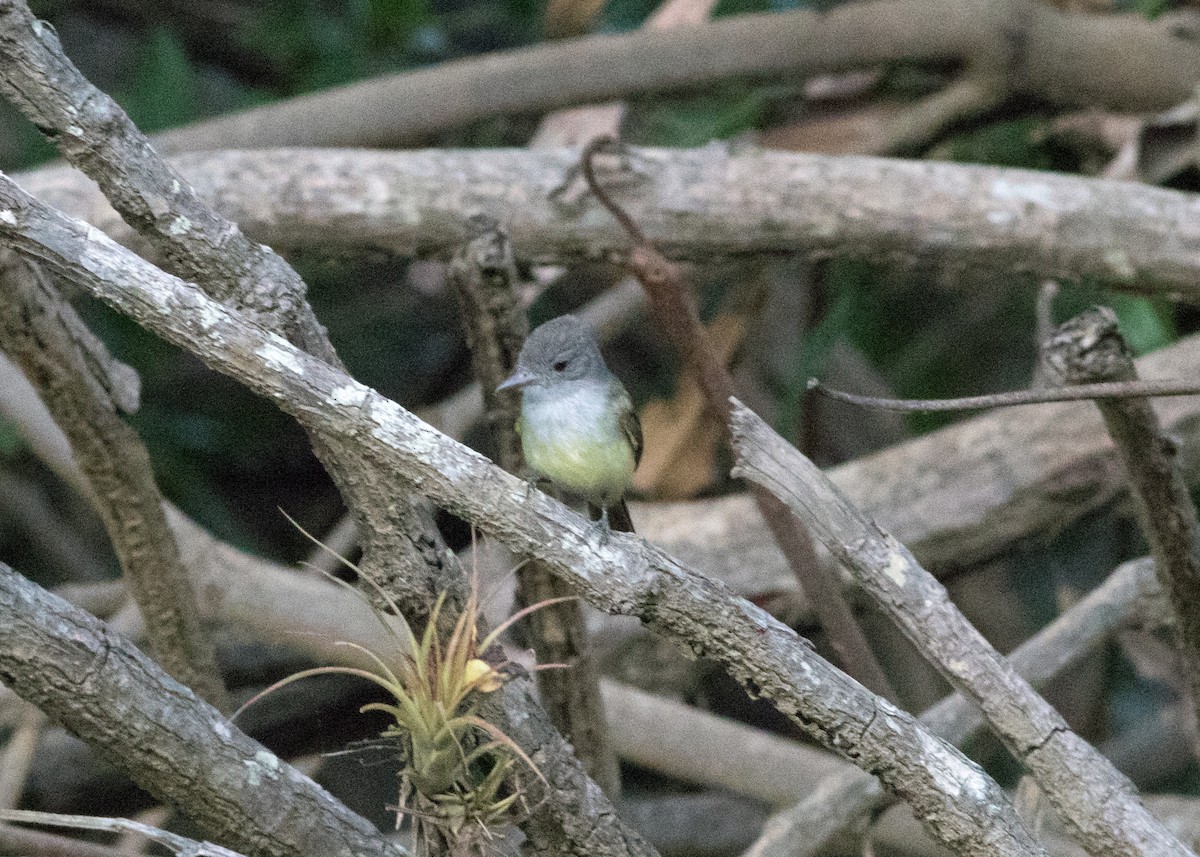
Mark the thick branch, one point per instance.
(697, 203)
(960, 804)
(39, 330)
(1120, 62)
(401, 547)
(1099, 804)
(837, 807)
(1090, 348)
(157, 731)
(95, 135)
(1012, 475)
(402, 550)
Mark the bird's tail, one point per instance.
(618, 516)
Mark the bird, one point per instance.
(577, 424)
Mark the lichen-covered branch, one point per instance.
(1089, 348)
(1098, 803)
(960, 805)
(401, 547)
(96, 135)
(837, 807)
(696, 203)
(170, 742)
(38, 330)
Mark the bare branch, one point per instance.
(697, 204)
(39, 330)
(95, 135)
(1101, 390)
(172, 841)
(38, 843)
(1087, 348)
(403, 551)
(401, 547)
(961, 805)
(171, 743)
(1064, 57)
(1099, 804)
(835, 808)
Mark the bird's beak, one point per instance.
(516, 380)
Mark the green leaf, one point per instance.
(164, 90)
(697, 119)
(1145, 323)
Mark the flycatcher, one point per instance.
(577, 425)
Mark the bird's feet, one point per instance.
(601, 526)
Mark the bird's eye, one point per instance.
(560, 365)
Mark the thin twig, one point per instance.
(1090, 347)
(675, 310)
(39, 843)
(1039, 396)
(484, 276)
(181, 845)
(1098, 803)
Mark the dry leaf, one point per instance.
(835, 131)
(682, 437)
(568, 18)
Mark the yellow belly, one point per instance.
(597, 471)
(573, 438)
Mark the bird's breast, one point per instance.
(571, 435)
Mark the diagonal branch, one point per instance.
(961, 805)
(1087, 348)
(403, 551)
(1099, 804)
(837, 806)
(674, 308)
(400, 544)
(171, 743)
(37, 330)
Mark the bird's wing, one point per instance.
(631, 426)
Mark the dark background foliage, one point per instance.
(230, 460)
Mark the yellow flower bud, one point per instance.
(480, 676)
